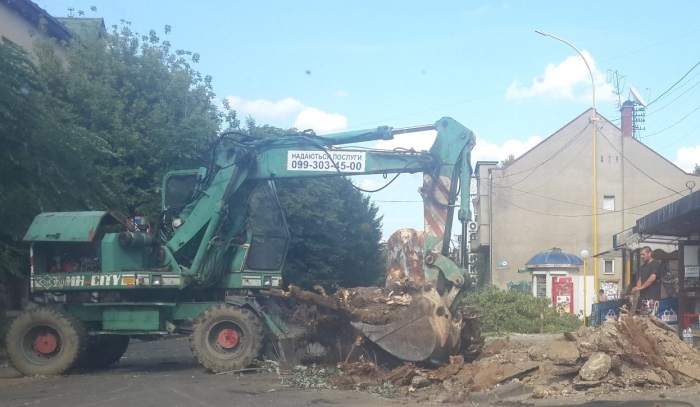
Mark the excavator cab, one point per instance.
(270, 233)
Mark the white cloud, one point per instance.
(341, 94)
(688, 157)
(321, 122)
(263, 110)
(288, 112)
(569, 79)
(483, 150)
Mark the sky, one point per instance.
(350, 65)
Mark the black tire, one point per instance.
(45, 341)
(103, 351)
(217, 324)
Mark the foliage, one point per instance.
(508, 161)
(154, 111)
(335, 230)
(696, 171)
(48, 162)
(479, 263)
(506, 312)
(97, 127)
(335, 234)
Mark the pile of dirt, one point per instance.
(634, 353)
(326, 319)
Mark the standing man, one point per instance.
(648, 282)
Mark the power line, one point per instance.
(650, 46)
(569, 143)
(677, 97)
(638, 169)
(681, 119)
(682, 138)
(500, 92)
(555, 175)
(677, 82)
(580, 216)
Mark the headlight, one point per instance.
(177, 222)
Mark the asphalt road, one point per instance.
(164, 373)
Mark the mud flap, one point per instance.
(426, 332)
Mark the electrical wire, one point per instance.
(650, 46)
(677, 97)
(555, 175)
(581, 216)
(569, 143)
(635, 166)
(674, 124)
(677, 82)
(682, 138)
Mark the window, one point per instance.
(609, 203)
(609, 267)
(541, 285)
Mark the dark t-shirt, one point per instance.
(653, 292)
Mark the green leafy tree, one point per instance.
(335, 234)
(153, 109)
(335, 230)
(48, 162)
(508, 161)
(480, 265)
(696, 171)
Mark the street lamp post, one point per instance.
(594, 119)
(584, 256)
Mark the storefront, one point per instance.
(673, 234)
(556, 275)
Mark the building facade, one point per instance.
(544, 199)
(22, 22)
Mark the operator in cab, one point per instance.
(648, 283)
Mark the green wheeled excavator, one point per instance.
(98, 278)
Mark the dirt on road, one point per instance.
(646, 361)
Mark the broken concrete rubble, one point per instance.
(558, 352)
(630, 354)
(597, 366)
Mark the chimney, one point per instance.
(627, 122)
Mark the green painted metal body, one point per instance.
(222, 229)
(68, 226)
(116, 258)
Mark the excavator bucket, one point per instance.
(426, 331)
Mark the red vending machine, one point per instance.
(563, 294)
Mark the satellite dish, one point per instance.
(637, 97)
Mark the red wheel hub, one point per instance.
(46, 343)
(228, 338)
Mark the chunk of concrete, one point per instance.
(512, 389)
(654, 378)
(558, 352)
(597, 366)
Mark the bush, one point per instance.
(506, 312)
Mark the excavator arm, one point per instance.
(430, 327)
